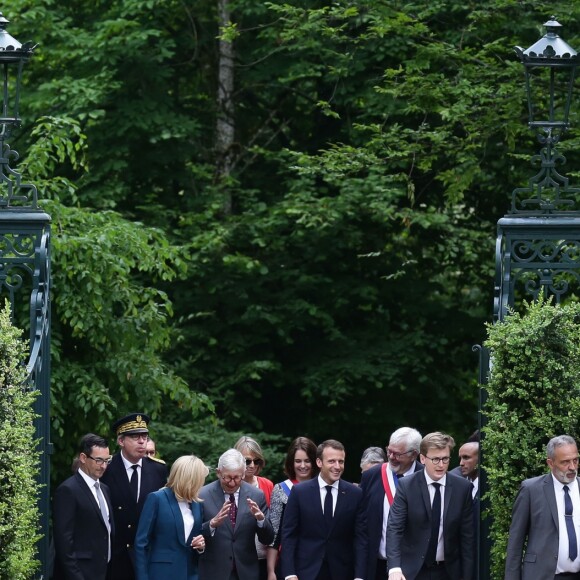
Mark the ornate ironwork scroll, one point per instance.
(536, 257)
(25, 280)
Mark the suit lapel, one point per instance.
(551, 498)
(447, 497)
(218, 496)
(197, 517)
(341, 500)
(243, 508)
(90, 497)
(176, 512)
(119, 475)
(424, 493)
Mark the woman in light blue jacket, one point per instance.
(169, 540)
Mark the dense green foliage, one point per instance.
(532, 396)
(332, 280)
(19, 463)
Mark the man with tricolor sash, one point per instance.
(379, 485)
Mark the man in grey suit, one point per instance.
(430, 527)
(546, 514)
(234, 512)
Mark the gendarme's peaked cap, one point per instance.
(133, 423)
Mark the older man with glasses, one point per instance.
(131, 477)
(379, 485)
(234, 512)
(430, 532)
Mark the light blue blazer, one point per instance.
(161, 551)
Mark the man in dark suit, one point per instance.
(82, 522)
(469, 469)
(131, 477)
(234, 512)
(324, 535)
(430, 529)
(546, 520)
(379, 486)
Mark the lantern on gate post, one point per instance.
(13, 55)
(550, 67)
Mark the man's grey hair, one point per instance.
(411, 437)
(372, 455)
(556, 442)
(232, 460)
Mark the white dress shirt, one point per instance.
(440, 556)
(129, 469)
(187, 516)
(564, 563)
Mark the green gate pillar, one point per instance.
(25, 266)
(538, 241)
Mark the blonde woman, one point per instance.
(169, 540)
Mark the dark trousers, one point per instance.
(433, 573)
(263, 569)
(324, 573)
(381, 572)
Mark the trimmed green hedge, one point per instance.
(533, 395)
(19, 462)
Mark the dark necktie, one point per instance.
(572, 541)
(431, 556)
(328, 506)
(134, 482)
(233, 509)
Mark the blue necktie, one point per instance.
(572, 541)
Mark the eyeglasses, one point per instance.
(256, 462)
(100, 460)
(137, 436)
(396, 455)
(230, 479)
(438, 460)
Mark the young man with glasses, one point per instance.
(430, 532)
(82, 516)
(131, 477)
(233, 512)
(379, 485)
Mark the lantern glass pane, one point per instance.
(549, 96)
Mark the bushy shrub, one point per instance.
(533, 395)
(19, 461)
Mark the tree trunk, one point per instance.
(225, 125)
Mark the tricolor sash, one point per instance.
(390, 482)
